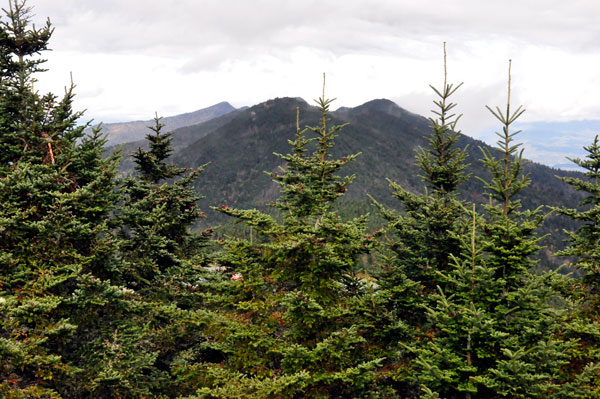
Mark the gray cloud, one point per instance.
(210, 32)
(385, 45)
(142, 25)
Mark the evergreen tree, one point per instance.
(69, 327)
(163, 260)
(442, 163)
(292, 331)
(423, 236)
(583, 245)
(20, 44)
(56, 192)
(156, 218)
(494, 332)
(511, 232)
(422, 239)
(583, 242)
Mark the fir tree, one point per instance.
(293, 287)
(511, 231)
(157, 215)
(56, 192)
(164, 262)
(422, 233)
(20, 43)
(442, 163)
(583, 245)
(68, 326)
(423, 236)
(493, 330)
(584, 241)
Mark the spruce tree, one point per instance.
(292, 331)
(56, 193)
(583, 246)
(423, 236)
(494, 332)
(164, 262)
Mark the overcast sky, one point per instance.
(130, 58)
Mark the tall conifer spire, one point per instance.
(442, 163)
(306, 340)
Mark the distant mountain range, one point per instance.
(551, 143)
(239, 146)
(125, 132)
(547, 143)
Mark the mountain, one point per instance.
(239, 147)
(124, 132)
(550, 143)
(242, 149)
(182, 137)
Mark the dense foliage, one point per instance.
(108, 291)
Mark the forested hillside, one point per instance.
(125, 132)
(110, 289)
(240, 146)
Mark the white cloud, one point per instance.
(131, 58)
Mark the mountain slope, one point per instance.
(239, 147)
(242, 150)
(385, 134)
(182, 137)
(125, 132)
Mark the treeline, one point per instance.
(105, 292)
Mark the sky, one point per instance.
(132, 58)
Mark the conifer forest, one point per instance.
(110, 287)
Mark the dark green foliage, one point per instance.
(20, 42)
(156, 216)
(56, 191)
(164, 262)
(181, 138)
(422, 237)
(584, 242)
(492, 339)
(69, 327)
(293, 329)
(583, 246)
(151, 164)
(239, 147)
(105, 291)
(494, 330)
(511, 233)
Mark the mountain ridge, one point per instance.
(125, 132)
(265, 128)
(240, 147)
